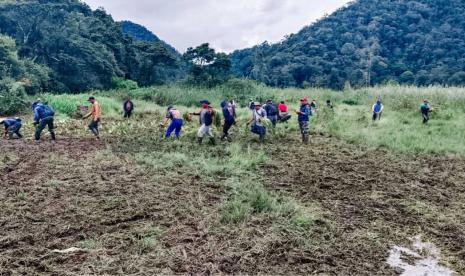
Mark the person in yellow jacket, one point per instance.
(96, 114)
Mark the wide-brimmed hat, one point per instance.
(257, 104)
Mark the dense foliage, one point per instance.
(368, 42)
(84, 49)
(206, 66)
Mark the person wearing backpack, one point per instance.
(206, 118)
(96, 114)
(229, 119)
(12, 127)
(271, 112)
(378, 109)
(128, 107)
(258, 114)
(43, 117)
(176, 122)
(425, 109)
(304, 114)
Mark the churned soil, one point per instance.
(129, 220)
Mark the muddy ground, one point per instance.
(128, 220)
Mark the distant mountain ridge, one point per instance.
(141, 33)
(417, 42)
(79, 48)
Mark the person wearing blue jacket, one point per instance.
(304, 114)
(12, 127)
(43, 117)
(378, 109)
(229, 120)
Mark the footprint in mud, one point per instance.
(425, 258)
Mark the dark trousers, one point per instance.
(14, 129)
(93, 126)
(46, 122)
(227, 126)
(376, 116)
(273, 119)
(425, 118)
(128, 114)
(260, 130)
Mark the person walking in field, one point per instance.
(96, 115)
(378, 109)
(43, 117)
(313, 106)
(229, 119)
(258, 115)
(128, 107)
(176, 122)
(12, 127)
(206, 118)
(271, 112)
(425, 109)
(304, 114)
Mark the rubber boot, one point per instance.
(199, 140)
(262, 139)
(53, 136)
(212, 141)
(305, 139)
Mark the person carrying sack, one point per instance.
(258, 115)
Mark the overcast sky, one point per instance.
(226, 24)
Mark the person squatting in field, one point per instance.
(271, 112)
(128, 107)
(12, 127)
(229, 119)
(206, 118)
(378, 109)
(258, 115)
(425, 109)
(176, 122)
(283, 115)
(304, 114)
(96, 114)
(43, 117)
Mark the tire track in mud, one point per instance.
(373, 196)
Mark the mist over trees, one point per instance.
(366, 43)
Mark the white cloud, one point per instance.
(226, 24)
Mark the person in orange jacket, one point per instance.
(96, 114)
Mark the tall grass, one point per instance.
(400, 127)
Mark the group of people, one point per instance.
(260, 113)
(44, 118)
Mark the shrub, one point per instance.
(12, 97)
(120, 83)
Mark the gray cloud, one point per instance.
(227, 24)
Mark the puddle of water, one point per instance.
(426, 257)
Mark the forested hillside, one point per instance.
(368, 42)
(73, 48)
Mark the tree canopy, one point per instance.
(365, 43)
(83, 49)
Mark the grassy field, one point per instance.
(136, 204)
(400, 128)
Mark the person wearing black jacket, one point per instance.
(128, 108)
